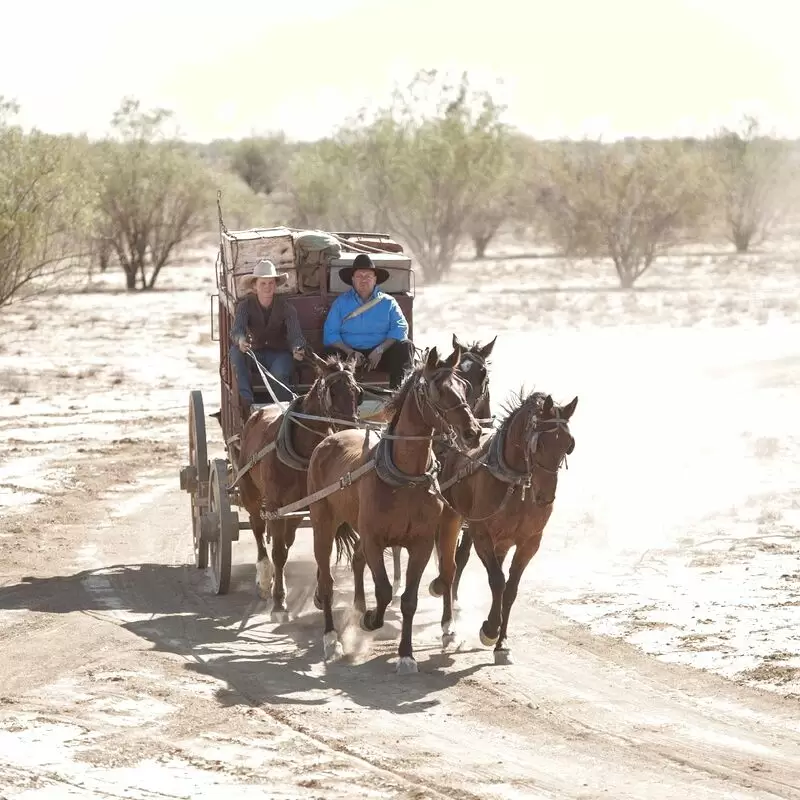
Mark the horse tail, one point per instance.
(346, 541)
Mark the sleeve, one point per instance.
(332, 329)
(239, 327)
(398, 327)
(293, 331)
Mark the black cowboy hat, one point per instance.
(363, 261)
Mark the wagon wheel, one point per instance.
(194, 478)
(223, 526)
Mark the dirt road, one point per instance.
(123, 676)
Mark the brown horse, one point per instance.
(279, 477)
(391, 503)
(505, 490)
(474, 369)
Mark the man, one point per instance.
(369, 323)
(266, 325)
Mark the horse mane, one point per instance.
(518, 401)
(474, 347)
(394, 405)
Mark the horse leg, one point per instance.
(264, 569)
(419, 553)
(359, 562)
(372, 619)
(522, 557)
(282, 531)
(462, 556)
(398, 570)
(324, 530)
(442, 584)
(265, 572)
(490, 629)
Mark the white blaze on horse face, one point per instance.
(264, 576)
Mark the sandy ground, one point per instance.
(657, 633)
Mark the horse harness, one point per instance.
(492, 460)
(426, 396)
(282, 443)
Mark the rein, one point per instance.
(286, 453)
(282, 443)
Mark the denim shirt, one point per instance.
(384, 320)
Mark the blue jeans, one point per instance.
(278, 362)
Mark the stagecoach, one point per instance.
(312, 260)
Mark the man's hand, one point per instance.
(244, 345)
(298, 353)
(375, 356)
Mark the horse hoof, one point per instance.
(280, 615)
(332, 647)
(407, 666)
(486, 640)
(503, 657)
(435, 588)
(368, 621)
(264, 578)
(448, 639)
(263, 593)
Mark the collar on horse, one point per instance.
(284, 449)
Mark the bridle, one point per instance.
(329, 413)
(476, 393)
(533, 433)
(324, 391)
(427, 397)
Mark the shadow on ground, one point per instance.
(234, 638)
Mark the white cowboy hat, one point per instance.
(264, 269)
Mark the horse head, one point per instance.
(443, 391)
(547, 442)
(335, 392)
(474, 368)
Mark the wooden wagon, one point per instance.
(312, 287)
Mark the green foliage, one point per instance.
(626, 201)
(754, 175)
(427, 161)
(43, 205)
(153, 193)
(260, 162)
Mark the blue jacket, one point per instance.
(384, 320)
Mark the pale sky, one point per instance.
(569, 67)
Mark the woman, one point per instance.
(268, 327)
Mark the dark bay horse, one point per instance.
(474, 369)
(505, 489)
(279, 477)
(390, 503)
